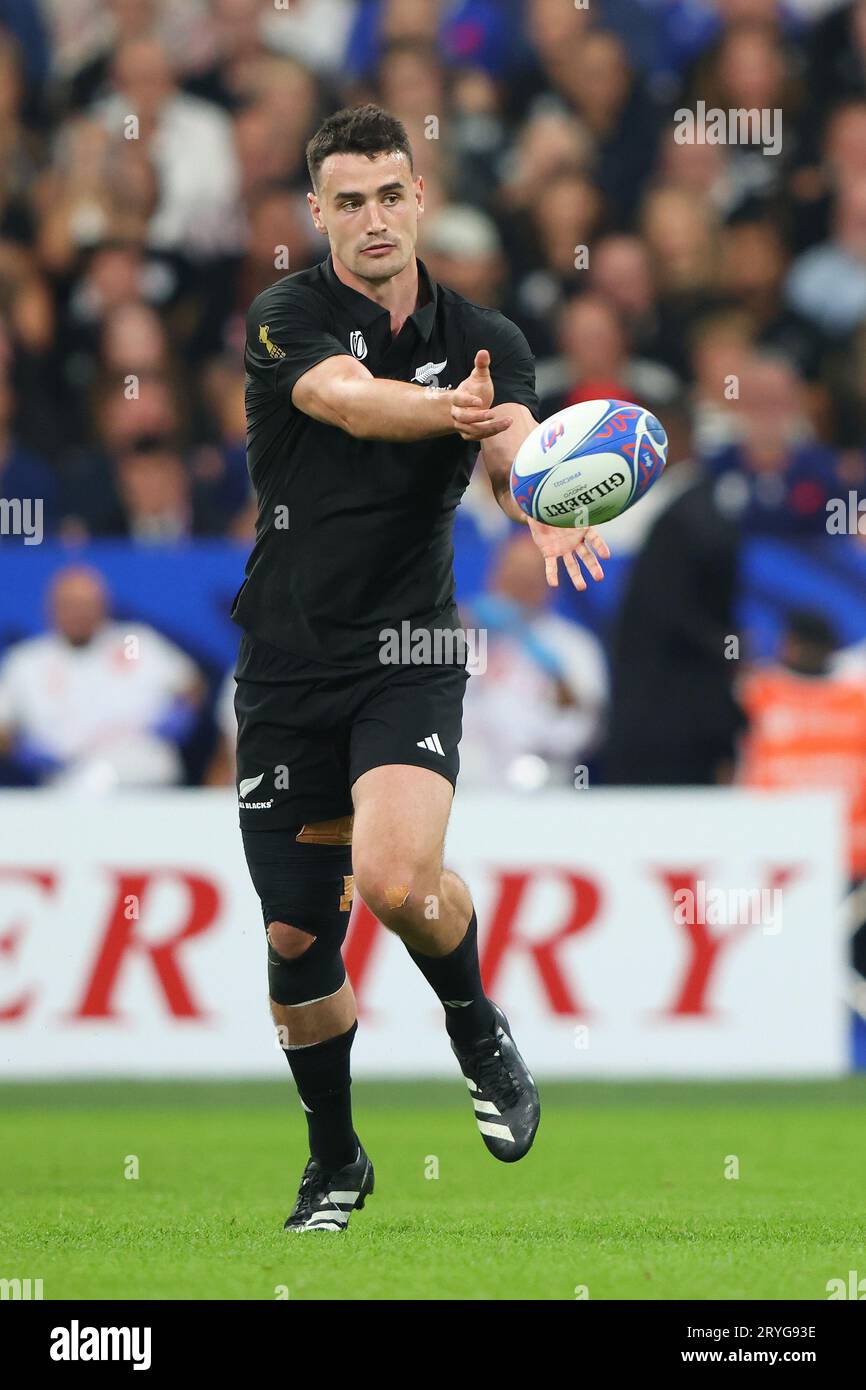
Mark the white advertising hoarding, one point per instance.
(676, 933)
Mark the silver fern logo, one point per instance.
(428, 375)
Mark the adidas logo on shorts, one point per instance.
(432, 744)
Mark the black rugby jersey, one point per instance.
(355, 535)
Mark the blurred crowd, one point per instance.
(153, 181)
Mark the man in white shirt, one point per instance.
(96, 704)
(190, 143)
(535, 713)
(221, 769)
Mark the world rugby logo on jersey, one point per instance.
(357, 345)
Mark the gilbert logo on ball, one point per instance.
(588, 463)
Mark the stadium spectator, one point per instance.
(827, 283)
(122, 22)
(777, 475)
(462, 248)
(190, 144)
(596, 362)
(314, 32)
(700, 170)
(720, 347)
(596, 80)
(749, 70)
(24, 476)
(160, 502)
(480, 33)
(534, 660)
(807, 729)
(93, 192)
(220, 467)
(837, 54)
(113, 274)
(134, 339)
(278, 226)
(480, 135)
(834, 156)
(221, 768)
(673, 715)
(567, 217)
(95, 704)
(682, 235)
(551, 29)
(543, 233)
(237, 42)
(551, 142)
(123, 413)
(752, 274)
(24, 23)
(290, 97)
(620, 270)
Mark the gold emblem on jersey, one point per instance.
(273, 350)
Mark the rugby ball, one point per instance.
(588, 463)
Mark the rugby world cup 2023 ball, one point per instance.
(588, 463)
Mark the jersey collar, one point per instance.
(365, 310)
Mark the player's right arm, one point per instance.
(290, 353)
(340, 391)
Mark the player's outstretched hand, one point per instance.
(571, 544)
(472, 401)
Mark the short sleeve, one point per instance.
(512, 365)
(285, 338)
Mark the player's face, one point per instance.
(369, 209)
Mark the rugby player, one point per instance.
(370, 389)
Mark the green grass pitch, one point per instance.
(624, 1194)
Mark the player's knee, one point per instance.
(313, 971)
(288, 941)
(394, 890)
(306, 895)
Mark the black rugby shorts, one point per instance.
(307, 731)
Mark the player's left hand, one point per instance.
(572, 544)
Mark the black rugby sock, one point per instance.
(456, 979)
(321, 1073)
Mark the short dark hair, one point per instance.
(357, 130)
